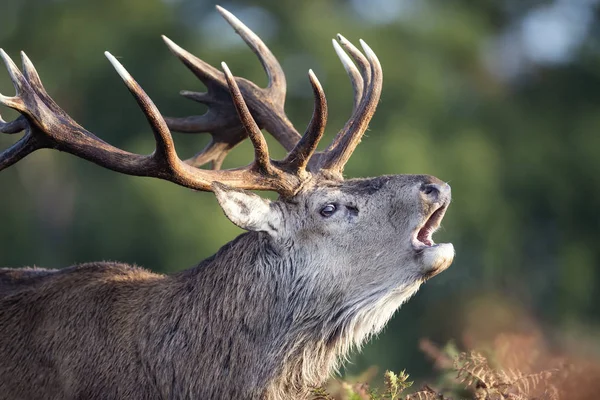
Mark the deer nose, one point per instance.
(436, 192)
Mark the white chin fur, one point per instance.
(437, 258)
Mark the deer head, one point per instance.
(352, 250)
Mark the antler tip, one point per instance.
(28, 68)
(5, 57)
(226, 14)
(369, 52)
(341, 38)
(345, 59)
(167, 40)
(118, 67)
(174, 47)
(225, 68)
(238, 25)
(15, 74)
(314, 81)
(338, 49)
(313, 77)
(229, 77)
(365, 46)
(26, 61)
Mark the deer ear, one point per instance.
(248, 210)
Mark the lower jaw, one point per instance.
(436, 259)
(433, 272)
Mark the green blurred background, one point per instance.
(499, 97)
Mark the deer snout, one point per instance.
(439, 193)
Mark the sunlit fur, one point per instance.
(269, 316)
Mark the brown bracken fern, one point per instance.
(395, 386)
(511, 367)
(486, 383)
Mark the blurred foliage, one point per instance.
(464, 98)
(503, 367)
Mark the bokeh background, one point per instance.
(499, 97)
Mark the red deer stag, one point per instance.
(271, 314)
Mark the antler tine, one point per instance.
(261, 150)
(18, 81)
(165, 148)
(30, 72)
(348, 138)
(221, 121)
(203, 70)
(24, 146)
(363, 63)
(16, 76)
(365, 72)
(266, 57)
(213, 79)
(32, 76)
(13, 127)
(353, 73)
(300, 156)
(27, 144)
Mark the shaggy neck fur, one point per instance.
(277, 328)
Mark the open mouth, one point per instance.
(423, 236)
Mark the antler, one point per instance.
(267, 104)
(365, 103)
(46, 125)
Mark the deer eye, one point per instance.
(328, 210)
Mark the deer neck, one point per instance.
(269, 312)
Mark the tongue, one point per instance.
(424, 236)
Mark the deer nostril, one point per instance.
(431, 189)
(436, 192)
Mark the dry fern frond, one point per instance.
(511, 367)
(527, 384)
(473, 370)
(426, 393)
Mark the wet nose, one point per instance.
(436, 192)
